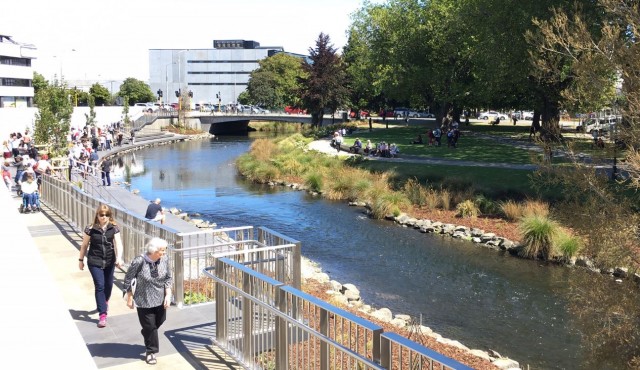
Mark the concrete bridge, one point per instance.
(224, 124)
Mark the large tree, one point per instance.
(100, 94)
(53, 118)
(275, 82)
(136, 91)
(597, 56)
(325, 83)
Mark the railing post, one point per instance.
(247, 319)
(178, 266)
(281, 340)
(385, 349)
(221, 303)
(324, 346)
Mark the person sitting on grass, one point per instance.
(357, 145)
(393, 150)
(418, 140)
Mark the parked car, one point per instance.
(420, 114)
(147, 107)
(400, 112)
(492, 115)
(362, 114)
(293, 110)
(386, 113)
(527, 115)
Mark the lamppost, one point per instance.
(60, 58)
(614, 130)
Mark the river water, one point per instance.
(468, 293)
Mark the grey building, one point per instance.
(215, 75)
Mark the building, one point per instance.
(16, 73)
(215, 75)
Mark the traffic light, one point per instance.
(160, 93)
(190, 94)
(177, 93)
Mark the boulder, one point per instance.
(506, 363)
(383, 314)
(350, 287)
(480, 353)
(336, 286)
(398, 323)
(621, 272)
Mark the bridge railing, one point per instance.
(264, 323)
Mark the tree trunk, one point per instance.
(550, 120)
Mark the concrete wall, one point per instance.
(17, 119)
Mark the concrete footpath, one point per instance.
(49, 314)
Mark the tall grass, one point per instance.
(567, 245)
(433, 199)
(538, 237)
(514, 211)
(467, 209)
(415, 192)
(445, 199)
(390, 203)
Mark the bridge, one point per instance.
(225, 124)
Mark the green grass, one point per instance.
(495, 182)
(470, 148)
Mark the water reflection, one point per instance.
(462, 291)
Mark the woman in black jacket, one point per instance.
(102, 245)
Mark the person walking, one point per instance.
(152, 296)
(102, 245)
(105, 171)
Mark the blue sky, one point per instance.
(109, 40)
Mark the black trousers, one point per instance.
(151, 319)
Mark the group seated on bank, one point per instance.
(381, 149)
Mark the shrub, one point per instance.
(389, 203)
(467, 209)
(538, 236)
(567, 245)
(535, 208)
(485, 205)
(314, 182)
(445, 199)
(263, 149)
(415, 192)
(432, 200)
(511, 210)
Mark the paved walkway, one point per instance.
(48, 314)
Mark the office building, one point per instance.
(215, 75)
(16, 73)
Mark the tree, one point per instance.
(39, 82)
(325, 85)
(275, 82)
(136, 91)
(53, 118)
(594, 51)
(91, 117)
(100, 94)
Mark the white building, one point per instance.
(215, 75)
(16, 73)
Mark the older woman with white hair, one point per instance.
(152, 296)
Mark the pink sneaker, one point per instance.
(103, 321)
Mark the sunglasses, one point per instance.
(104, 215)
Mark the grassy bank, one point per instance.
(392, 188)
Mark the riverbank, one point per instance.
(481, 360)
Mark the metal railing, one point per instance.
(191, 250)
(265, 324)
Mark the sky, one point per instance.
(110, 40)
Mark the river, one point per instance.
(468, 293)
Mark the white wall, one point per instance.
(17, 119)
